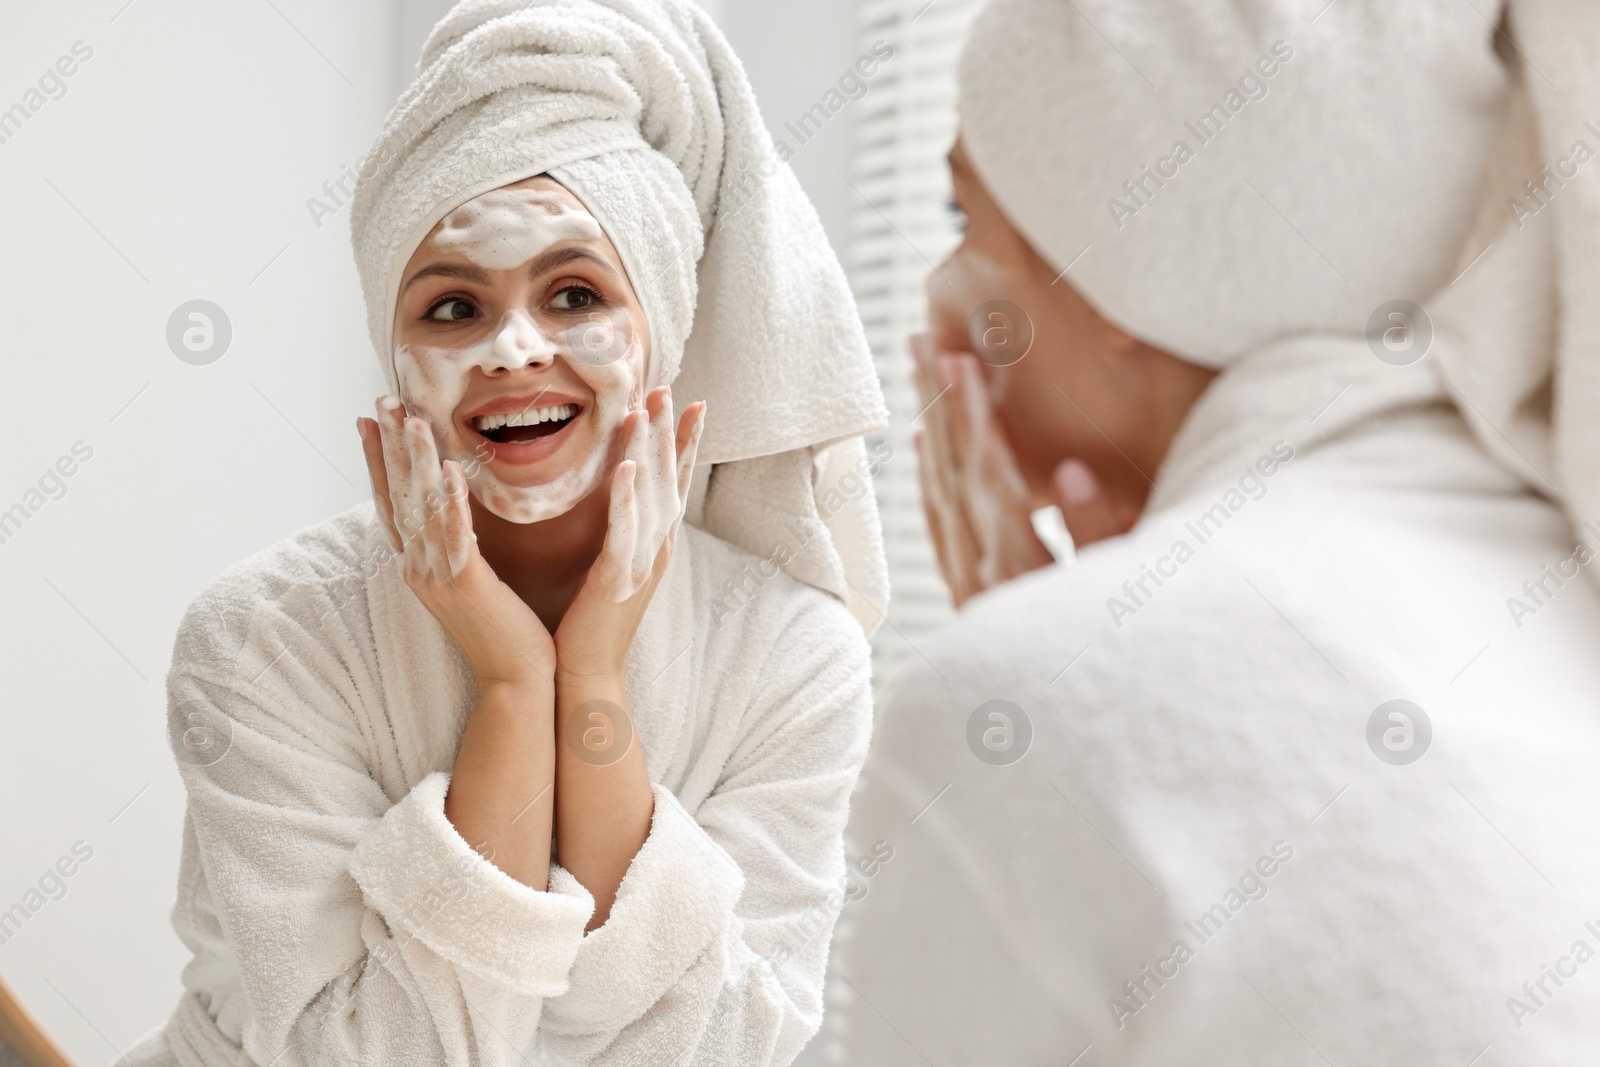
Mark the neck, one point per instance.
(545, 563)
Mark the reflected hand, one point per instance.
(976, 502)
(974, 498)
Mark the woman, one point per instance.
(1294, 763)
(494, 769)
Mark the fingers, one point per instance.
(992, 479)
(966, 396)
(655, 487)
(936, 415)
(622, 533)
(431, 526)
(946, 467)
(980, 438)
(1085, 507)
(427, 491)
(638, 448)
(931, 510)
(929, 394)
(378, 475)
(933, 398)
(922, 369)
(397, 462)
(662, 452)
(954, 543)
(941, 418)
(650, 491)
(989, 506)
(688, 445)
(460, 541)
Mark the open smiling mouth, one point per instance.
(522, 426)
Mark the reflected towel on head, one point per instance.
(640, 108)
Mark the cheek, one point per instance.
(431, 375)
(1052, 406)
(636, 382)
(427, 375)
(596, 342)
(618, 386)
(1026, 401)
(964, 283)
(612, 399)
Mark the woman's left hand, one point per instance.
(649, 491)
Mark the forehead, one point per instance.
(530, 198)
(504, 227)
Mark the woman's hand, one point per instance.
(604, 803)
(423, 506)
(648, 493)
(977, 505)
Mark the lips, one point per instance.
(520, 404)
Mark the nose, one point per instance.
(519, 342)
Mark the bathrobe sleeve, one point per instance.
(330, 925)
(716, 945)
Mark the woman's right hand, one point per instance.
(974, 498)
(977, 506)
(423, 506)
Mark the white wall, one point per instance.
(176, 167)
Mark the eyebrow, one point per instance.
(544, 263)
(550, 259)
(465, 271)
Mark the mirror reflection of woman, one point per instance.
(546, 750)
(1289, 759)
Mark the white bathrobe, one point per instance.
(1182, 749)
(337, 917)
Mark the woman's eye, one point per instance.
(453, 310)
(958, 216)
(575, 298)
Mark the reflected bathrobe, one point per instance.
(337, 917)
(1200, 772)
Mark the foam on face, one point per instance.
(502, 230)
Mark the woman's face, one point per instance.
(1083, 389)
(519, 338)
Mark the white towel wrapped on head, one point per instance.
(640, 108)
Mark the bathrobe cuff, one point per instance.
(671, 907)
(420, 874)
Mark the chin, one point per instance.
(524, 507)
(539, 501)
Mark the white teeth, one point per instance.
(531, 417)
